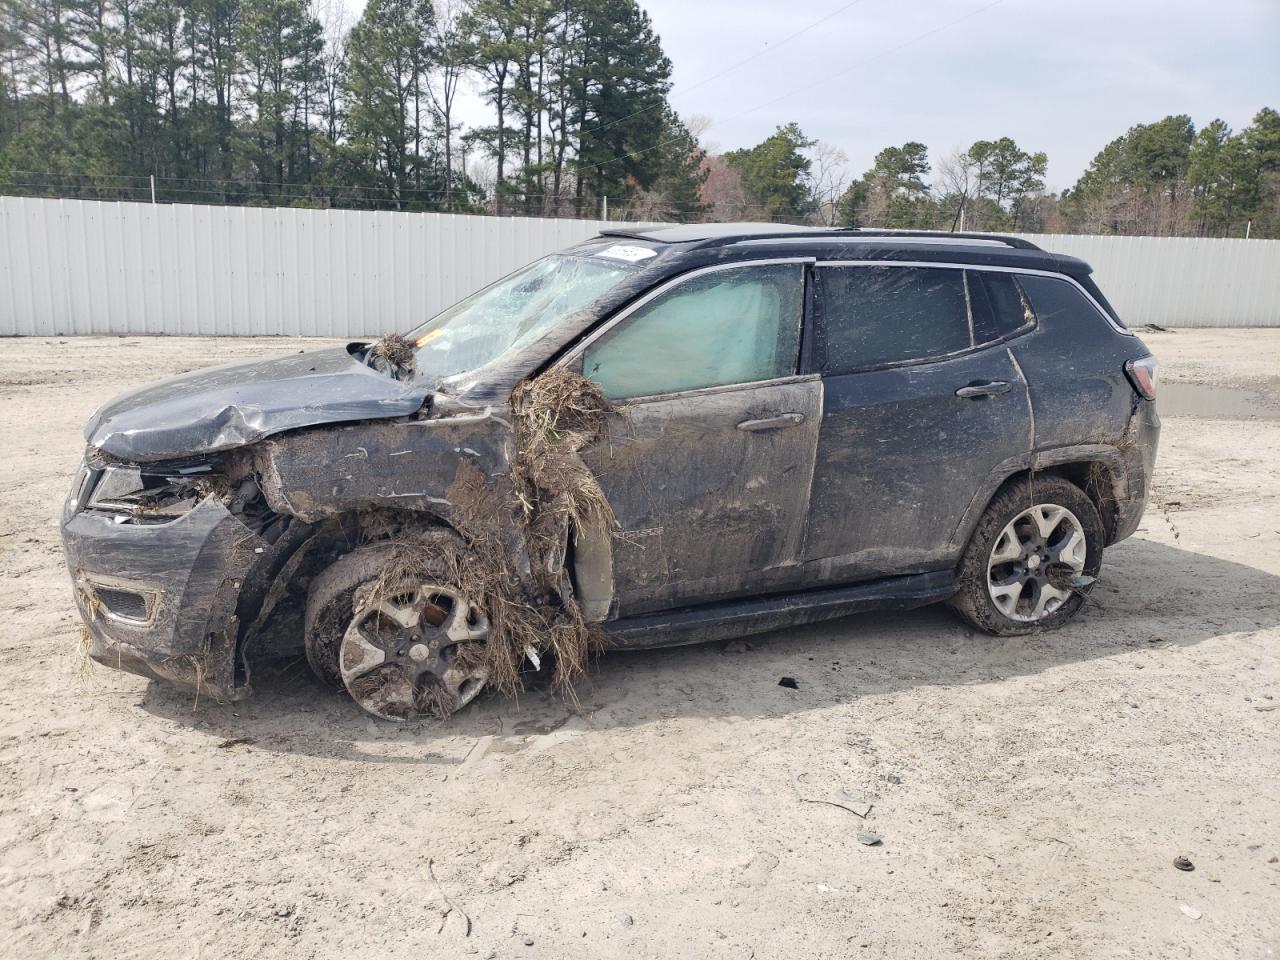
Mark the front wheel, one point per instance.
(403, 649)
(1031, 559)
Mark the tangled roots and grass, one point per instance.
(395, 353)
(481, 572)
(82, 663)
(556, 415)
(548, 493)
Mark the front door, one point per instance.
(707, 465)
(923, 404)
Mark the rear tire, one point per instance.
(1033, 530)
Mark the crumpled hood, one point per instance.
(229, 406)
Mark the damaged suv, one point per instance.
(659, 436)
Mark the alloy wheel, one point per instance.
(406, 655)
(1033, 560)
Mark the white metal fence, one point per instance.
(1181, 281)
(79, 267)
(82, 266)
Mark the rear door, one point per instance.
(708, 464)
(922, 404)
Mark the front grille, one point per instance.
(124, 604)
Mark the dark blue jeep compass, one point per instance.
(802, 423)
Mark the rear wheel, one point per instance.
(1031, 559)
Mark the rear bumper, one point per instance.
(159, 600)
(1139, 462)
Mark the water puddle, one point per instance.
(538, 728)
(1224, 403)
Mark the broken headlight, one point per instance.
(149, 492)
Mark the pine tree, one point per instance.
(1261, 142)
(388, 57)
(530, 53)
(451, 51)
(774, 173)
(12, 52)
(1005, 177)
(1134, 184)
(279, 51)
(677, 190)
(620, 86)
(492, 40)
(254, 101)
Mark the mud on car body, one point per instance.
(799, 424)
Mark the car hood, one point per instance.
(229, 406)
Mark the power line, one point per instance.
(161, 180)
(879, 56)
(289, 189)
(142, 192)
(408, 194)
(85, 176)
(809, 86)
(732, 67)
(300, 190)
(85, 183)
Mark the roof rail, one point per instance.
(764, 232)
(1016, 242)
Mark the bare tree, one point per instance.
(829, 177)
(956, 185)
(449, 47)
(332, 16)
(480, 167)
(649, 206)
(722, 191)
(698, 124)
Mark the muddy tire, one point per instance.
(1022, 570)
(329, 607)
(414, 651)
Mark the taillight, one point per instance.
(1142, 374)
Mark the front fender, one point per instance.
(399, 464)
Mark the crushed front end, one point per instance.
(158, 554)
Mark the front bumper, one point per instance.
(159, 600)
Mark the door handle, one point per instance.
(976, 391)
(772, 423)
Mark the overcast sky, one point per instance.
(1063, 76)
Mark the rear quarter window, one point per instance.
(1060, 300)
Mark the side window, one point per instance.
(728, 326)
(1051, 299)
(872, 316)
(999, 305)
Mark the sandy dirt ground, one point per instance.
(1031, 794)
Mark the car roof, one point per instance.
(830, 243)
